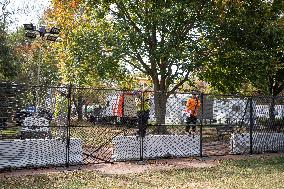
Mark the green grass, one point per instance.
(10, 132)
(253, 173)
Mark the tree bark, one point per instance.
(79, 106)
(160, 100)
(275, 88)
(86, 110)
(272, 125)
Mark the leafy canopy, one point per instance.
(246, 42)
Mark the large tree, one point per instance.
(246, 43)
(78, 51)
(246, 39)
(78, 47)
(157, 38)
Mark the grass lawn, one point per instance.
(10, 132)
(252, 173)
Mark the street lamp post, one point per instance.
(51, 35)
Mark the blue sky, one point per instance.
(26, 11)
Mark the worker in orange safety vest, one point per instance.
(192, 107)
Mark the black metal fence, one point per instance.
(62, 126)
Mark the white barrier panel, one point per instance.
(38, 152)
(262, 142)
(155, 146)
(35, 124)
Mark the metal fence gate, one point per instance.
(61, 126)
(100, 121)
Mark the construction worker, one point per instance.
(192, 107)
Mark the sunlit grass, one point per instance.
(253, 173)
(10, 132)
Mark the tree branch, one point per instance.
(145, 66)
(126, 14)
(132, 64)
(178, 85)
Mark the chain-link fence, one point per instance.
(62, 126)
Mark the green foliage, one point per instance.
(152, 37)
(34, 58)
(8, 63)
(106, 40)
(22, 59)
(81, 58)
(246, 40)
(91, 60)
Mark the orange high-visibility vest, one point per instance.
(192, 105)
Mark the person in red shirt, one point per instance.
(192, 107)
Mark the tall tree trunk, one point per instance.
(86, 110)
(275, 88)
(160, 100)
(272, 114)
(80, 108)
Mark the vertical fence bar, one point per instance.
(251, 125)
(68, 125)
(142, 127)
(201, 123)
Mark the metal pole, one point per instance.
(251, 126)
(39, 64)
(142, 127)
(201, 123)
(38, 75)
(68, 125)
(141, 149)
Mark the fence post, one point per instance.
(142, 127)
(201, 123)
(251, 125)
(68, 125)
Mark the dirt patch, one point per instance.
(155, 165)
(140, 167)
(120, 167)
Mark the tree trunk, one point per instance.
(160, 100)
(272, 114)
(86, 110)
(275, 89)
(79, 107)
